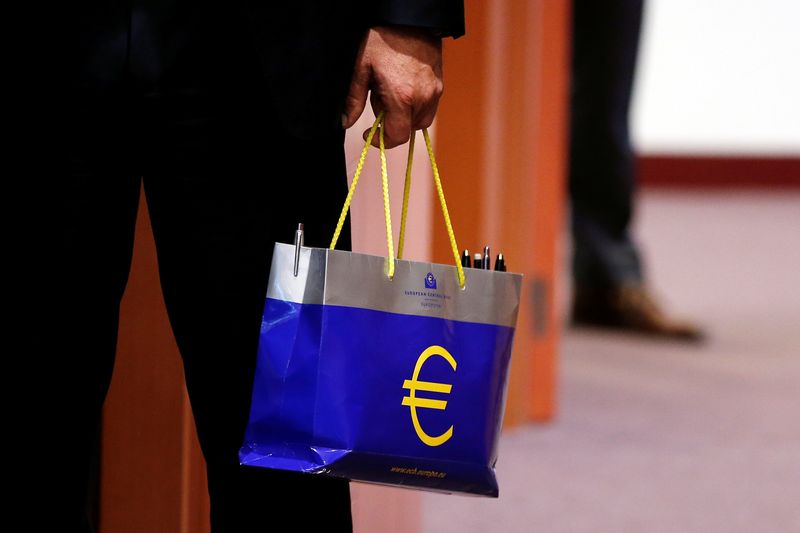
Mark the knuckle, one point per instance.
(433, 95)
(406, 95)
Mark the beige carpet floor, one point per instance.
(663, 437)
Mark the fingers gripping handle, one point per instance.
(378, 126)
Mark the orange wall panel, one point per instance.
(501, 140)
(152, 470)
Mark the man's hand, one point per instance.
(403, 69)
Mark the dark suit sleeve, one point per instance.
(445, 17)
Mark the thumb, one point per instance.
(356, 96)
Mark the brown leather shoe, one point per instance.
(629, 308)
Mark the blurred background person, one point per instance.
(609, 286)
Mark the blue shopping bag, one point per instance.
(384, 371)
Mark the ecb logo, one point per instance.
(430, 281)
(413, 385)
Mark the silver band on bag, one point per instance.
(337, 277)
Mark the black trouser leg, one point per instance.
(223, 187)
(601, 169)
(80, 210)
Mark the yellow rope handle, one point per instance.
(386, 214)
(406, 192)
(437, 180)
(450, 233)
(385, 185)
(352, 188)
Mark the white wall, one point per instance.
(719, 77)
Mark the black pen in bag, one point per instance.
(466, 260)
(500, 263)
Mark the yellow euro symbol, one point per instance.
(413, 385)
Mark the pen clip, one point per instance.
(298, 243)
